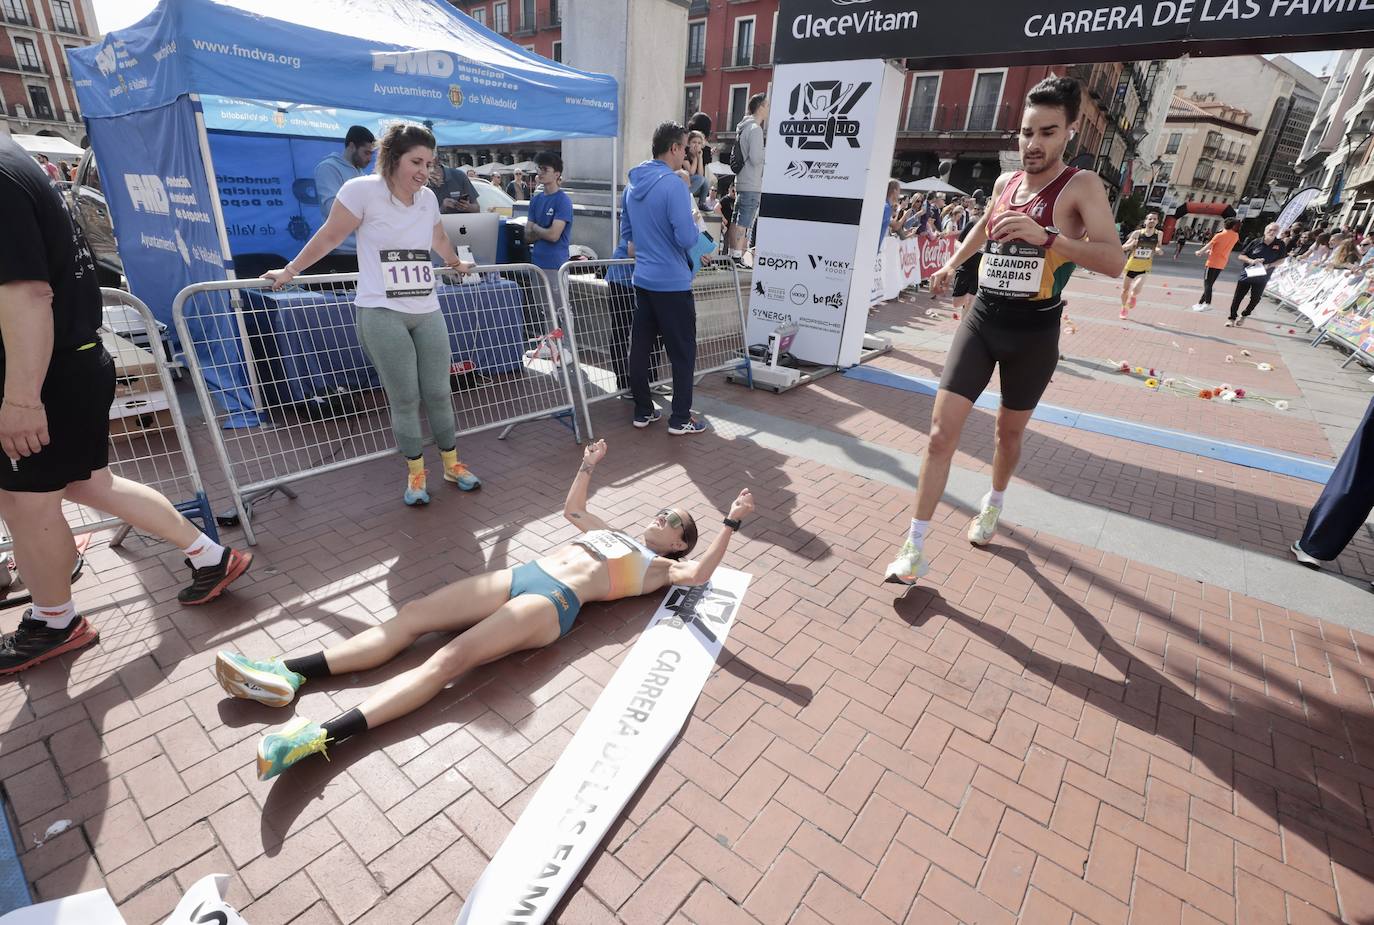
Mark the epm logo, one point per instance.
(820, 111)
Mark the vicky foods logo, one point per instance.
(820, 115)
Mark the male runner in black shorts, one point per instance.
(58, 383)
(1042, 221)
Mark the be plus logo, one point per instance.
(820, 111)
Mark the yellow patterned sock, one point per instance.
(450, 457)
(416, 465)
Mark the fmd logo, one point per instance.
(147, 193)
(418, 63)
(820, 111)
(105, 61)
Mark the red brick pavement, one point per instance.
(1040, 733)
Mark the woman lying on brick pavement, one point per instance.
(497, 613)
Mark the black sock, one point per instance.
(346, 725)
(309, 666)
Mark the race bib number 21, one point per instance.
(1012, 269)
(407, 273)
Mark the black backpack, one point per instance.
(737, 155)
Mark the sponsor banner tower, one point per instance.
(831, 131)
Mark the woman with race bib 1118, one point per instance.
(400, 326)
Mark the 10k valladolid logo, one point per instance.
(820, 115)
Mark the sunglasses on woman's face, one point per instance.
(671, 517)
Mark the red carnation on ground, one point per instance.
(1240, 393)
(1204, 393)
(956, 316)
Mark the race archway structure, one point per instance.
(837, 87)
(1220, 209)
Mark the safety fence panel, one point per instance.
(290, 392)
(149, 442)
(599, 304)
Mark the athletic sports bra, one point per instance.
(627, 560)
(1018, 270)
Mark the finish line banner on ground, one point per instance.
(633, 722)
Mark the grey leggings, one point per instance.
(412, 357)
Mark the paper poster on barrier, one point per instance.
(634, 721)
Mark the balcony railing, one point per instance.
(17, 16)
(39, 113)
(696, 65)
(948, 118)
(67, 26)
(1242, 158)
(8, 63)
(745, 56)
(1361, 175)
(1211, 151)
(698, 8)
(525, 24)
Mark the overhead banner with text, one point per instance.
(634, 721)
(1062, 31)
(831, 130)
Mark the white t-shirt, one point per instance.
(394, 240)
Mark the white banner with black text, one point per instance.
(634, 721)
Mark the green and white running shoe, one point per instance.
(279, 750)
(268, 682)
(909, 565)
(983, 527)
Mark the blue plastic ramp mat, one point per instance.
(14, 886)
(1252, 457)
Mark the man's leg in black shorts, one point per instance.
(968, 370)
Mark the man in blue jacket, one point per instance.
(657, 218)
(332, 172)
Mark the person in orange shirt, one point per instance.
(1218, 251)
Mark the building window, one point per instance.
(15, 12)
(558, 52)
(691, 103)
(924, 91)
(1175, 140)
(479, 15)
(744, 42)
(527, 15)
(696, 45)
(63, 16)
(987, 94)
(739, 105)
(500, 18)
(27, 54)
(555, 13)
(1166, 171)
(42, 106)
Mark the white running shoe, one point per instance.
(1202, 307)
(983, 527)
(1302, 556)
(909, 565)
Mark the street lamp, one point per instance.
(1155, 165)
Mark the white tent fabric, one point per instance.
(931, 185)
(55, 148)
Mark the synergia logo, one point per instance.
(820, 111)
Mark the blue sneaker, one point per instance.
(268, 682)
(299, 738)
(693, 426)
(462, 476)
(416, 492)
(642, 421)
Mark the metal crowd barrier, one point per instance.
(598, 316)
(149, 442)
(290, 393)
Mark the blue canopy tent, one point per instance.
(152, 94)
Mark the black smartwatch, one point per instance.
(732, 524)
